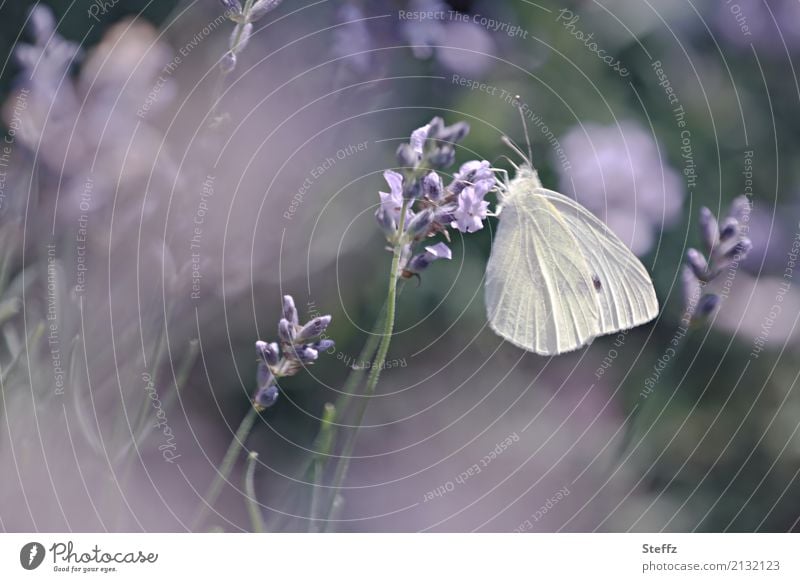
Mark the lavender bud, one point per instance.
(289, 310)
(42, 23)
(240, 37)
(286, 332)
(269, 352)
(305, 354)
(266, 396)
(729, 229)
(691, 286)
(264, 376)
(455, 133)
(228, 62)
(436, 127)
(432, 187)
(418, 138)
(324, 345)
(233, 6)
(698, 264)
(420, 223)
(406, 157)
(261, 8)
(444, 214)
(740, 249)
(412, 189)
(386, 222)
(709, 230)
(706, 307)
(419, 263)
(313, 328)
(442, 157)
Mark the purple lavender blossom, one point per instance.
(422, 261)
(392, 201)
(471, 211)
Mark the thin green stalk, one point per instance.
(224, 471)
(375, 370)
(253, 509)
(323, 445)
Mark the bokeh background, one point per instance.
(148, 236)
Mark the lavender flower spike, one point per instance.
(725, 246)
(297, 348)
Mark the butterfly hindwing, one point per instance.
(539, 290)
(625, 291)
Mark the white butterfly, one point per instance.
(557, 276)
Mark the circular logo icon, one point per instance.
(31, 555)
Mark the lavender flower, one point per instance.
(724, 245)
(300, 345)
(422, 261)
(471, 210)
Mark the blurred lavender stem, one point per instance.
(375, 369)
(253, 508)
(322, 448)
(224, 71)
(225, 468)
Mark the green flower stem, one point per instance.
(224, 471)
(253, 509)
(375, 370)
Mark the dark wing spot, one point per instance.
(596, 281)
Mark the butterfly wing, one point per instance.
(539, 290)
(624, 290)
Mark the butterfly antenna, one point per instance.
(509, 160)
(525, 127)
(515, 147)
